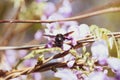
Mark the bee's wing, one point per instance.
(68, 33)
(51, 36)
(19, 47)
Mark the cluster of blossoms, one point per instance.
(96, 64)
(82, 65)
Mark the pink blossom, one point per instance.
(70, 63)
(55, 32)
(49, 9)
(69, 57)
(5, 66)
(67, 24)
(70, 60)
(11, 57)
(38, 0)
(30, 62)
(37, 76)
(66, 9)
(38, 35)
(55, 16)
(22, 53)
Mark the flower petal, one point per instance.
(114, 63)
(84, 30)
(99, 51)
(70, 63)
(66, 74)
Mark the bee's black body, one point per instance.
(59, 39)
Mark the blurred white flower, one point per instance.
(66, 74)
(15, 79)
(84, 30)
(97, 75)
(11, 56)
(68, 57)
(65, 9)
(79, 32)
(55, 25)
(37, 76)
(38, 35)
(66, 47)
(22, 53)
(75, 35)
(114, 63)
(69, 23)
(49, 8)
(70, 63)
(99, 51)
(22, 77)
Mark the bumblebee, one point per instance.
(59, 38)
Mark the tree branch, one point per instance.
(110, 7)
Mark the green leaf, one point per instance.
(73, 52)
(41, 51)
(104, 33)
(111, 42)
(30, 55)
(95, 31)
(41, 57)
(84, 49)
(99, 33)
(114, 50)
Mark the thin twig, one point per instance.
(107, 8)
(38, 68)
(115, 9)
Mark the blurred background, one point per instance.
(15, 34)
